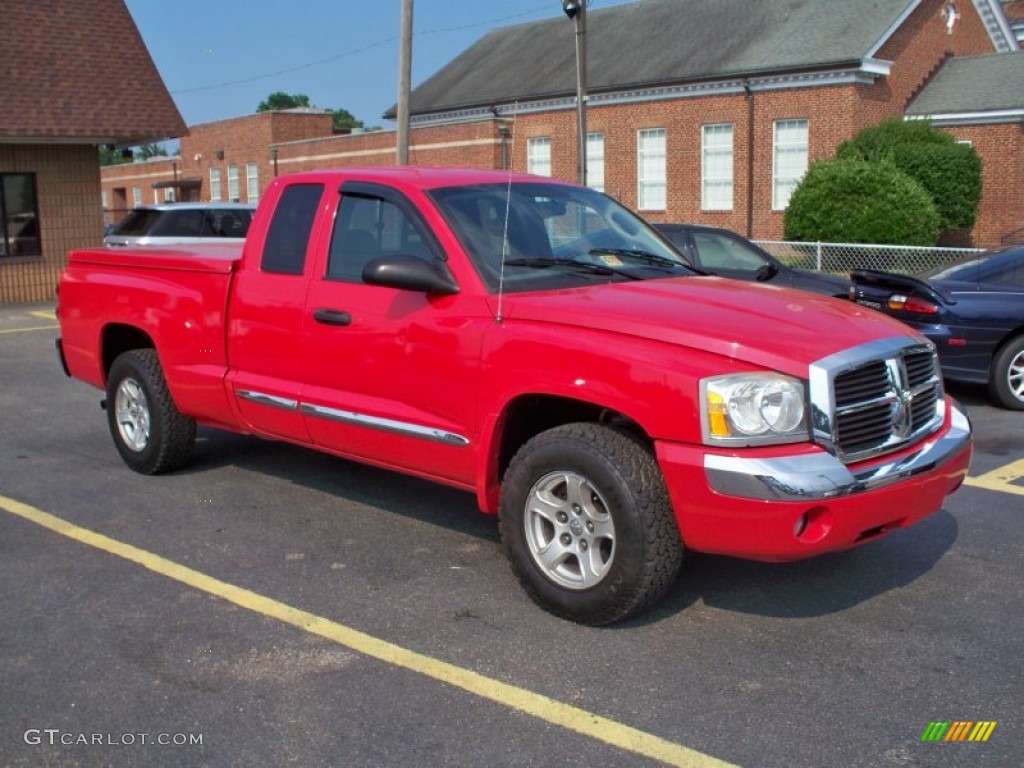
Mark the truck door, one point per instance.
(391, 375)
(266, 314)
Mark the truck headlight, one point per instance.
(753, 408)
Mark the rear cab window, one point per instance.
(284, 250)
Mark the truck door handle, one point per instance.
(332, 317)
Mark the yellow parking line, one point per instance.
(1001, 479)
(26, 330)
(549, 710)
(45, 314)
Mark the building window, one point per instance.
(19, 215)
(595, 161)
(716, 168)
(136, 196)
(215, 193)
(538, 155)
(790, 160)
(252, 182)
(650, 169)
(233, 183)
(168, 195)
(103, 199)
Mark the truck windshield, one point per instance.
(537, 236)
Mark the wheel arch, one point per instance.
(529, 414)
(117, 338)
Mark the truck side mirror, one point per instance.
(409, 273)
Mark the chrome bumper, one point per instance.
(818, 476)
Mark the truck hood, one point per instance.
(776, 328)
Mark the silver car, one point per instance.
(171, 223)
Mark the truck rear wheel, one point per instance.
(149, 432)
(587, 524)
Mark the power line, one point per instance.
(363, 49)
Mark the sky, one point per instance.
(221, 58)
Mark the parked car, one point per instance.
(725, 253)
(170, 223)
(972, 310)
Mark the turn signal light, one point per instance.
(912, 304)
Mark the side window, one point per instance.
(365, 228)
(226, 223)
(185, 223)
(284, 251)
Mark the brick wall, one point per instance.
(1002, 193)
(67, 188)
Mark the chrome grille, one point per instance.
(876, 399)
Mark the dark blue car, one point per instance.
(972, 310)
(726, 254)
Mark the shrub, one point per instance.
(855, 201)
(950, 172)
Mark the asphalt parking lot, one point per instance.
(274, 606)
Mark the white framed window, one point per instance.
(252, 183)
(215, 193)
(790, 150)
(650, 169)
(538, 155)
(233, 183)
(103, 199)
(716, 167)
(136, 196)
(168, 195)
(595, 161)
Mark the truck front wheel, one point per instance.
(149, 432)
(587, 524)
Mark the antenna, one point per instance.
(508, 205)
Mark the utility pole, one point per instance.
(404, 78)
(576, 10)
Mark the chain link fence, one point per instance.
(840, 258)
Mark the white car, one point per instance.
(171, 223)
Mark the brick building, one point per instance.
(56, 107)
(229, 160)
(698, 110)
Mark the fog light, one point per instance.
(813, 525)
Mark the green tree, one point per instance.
(949, 171)
(849, 200)
(146, 151)
(343, 120)
(111, 155)
(282, 100)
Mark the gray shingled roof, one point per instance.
(974, 84)
(655, 42)
(78, 71)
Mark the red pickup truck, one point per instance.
(536, 343)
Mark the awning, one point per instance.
(178, 183)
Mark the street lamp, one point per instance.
(576, 10)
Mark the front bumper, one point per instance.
(800, 503)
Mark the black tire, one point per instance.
(1006, 380)
(618, 517)
(149, 432)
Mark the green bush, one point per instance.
(950, 172)
(855, 201)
